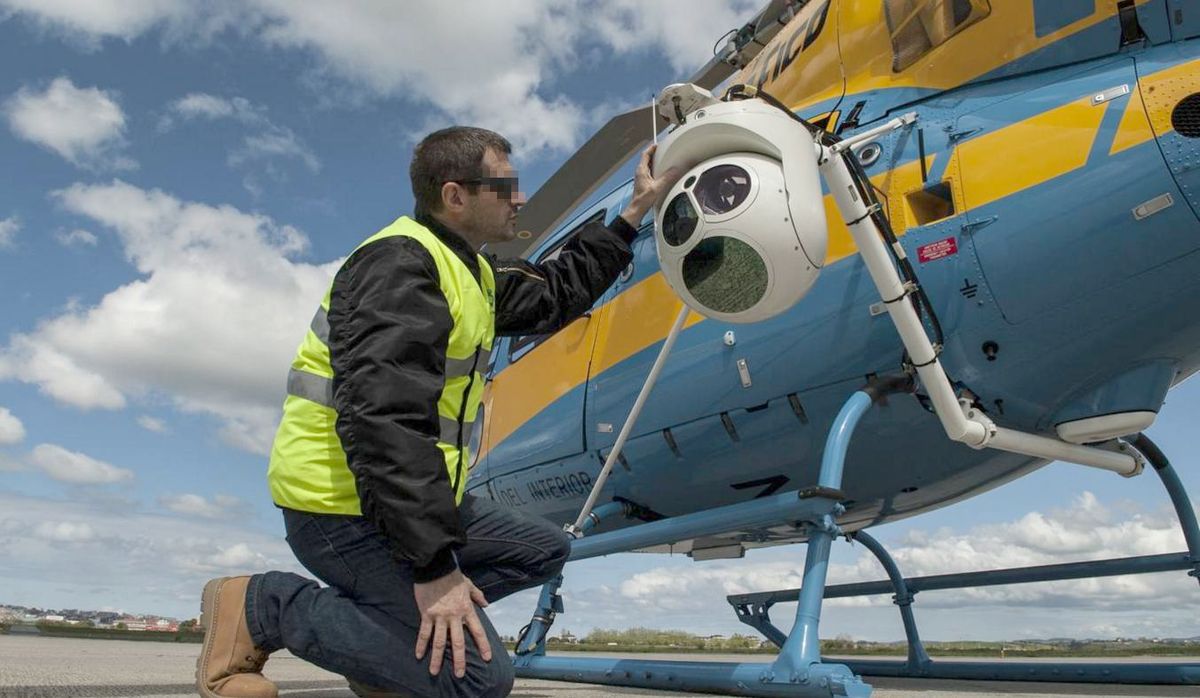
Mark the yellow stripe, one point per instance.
(647, 309)
(1011, 159)
(996, 165)
(546, 373)
(1134, 129)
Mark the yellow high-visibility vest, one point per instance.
(308, 470)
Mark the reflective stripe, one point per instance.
(320, 325)
(319, 389)
(310, 386)
(449, 429)
(456, 368)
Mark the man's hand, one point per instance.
(647, 187)
(446, 604)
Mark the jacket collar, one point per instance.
(452, 240)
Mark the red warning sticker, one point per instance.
(937, 250)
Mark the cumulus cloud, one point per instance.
(65, 531)
(85, 126)
(679, 593)
(496, 71)
(222, 506)
(8, 230)
(153, 424)
(90, 21)
(684, 31)
(274, 143)
(267, 145)
(76, 468)
(76, 238)
(199, 105)
(212, 322)
(12, 431)
(144, 562)
(1085, 530)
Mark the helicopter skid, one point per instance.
(798, 670)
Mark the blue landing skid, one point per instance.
(799, 669)
(1008, 670)
(754, 609)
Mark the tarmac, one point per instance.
(46, 667)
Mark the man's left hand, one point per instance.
(647, 188)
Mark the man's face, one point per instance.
(492, 206)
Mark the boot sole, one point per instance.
(208, 612)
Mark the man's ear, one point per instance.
(452, 196)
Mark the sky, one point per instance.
(178, 182)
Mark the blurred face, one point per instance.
(490, 214)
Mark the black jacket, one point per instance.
(389, 326)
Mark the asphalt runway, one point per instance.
(44, 667)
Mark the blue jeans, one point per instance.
(364, 624)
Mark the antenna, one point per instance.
(654, 119)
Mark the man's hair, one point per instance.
(447, 155)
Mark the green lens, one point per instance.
(725, 274)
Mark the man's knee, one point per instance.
(492, 679)
(556, 555)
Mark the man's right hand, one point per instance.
(446, 604)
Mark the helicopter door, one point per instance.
(1053, 178)
(534, 406)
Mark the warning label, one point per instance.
(937, 250)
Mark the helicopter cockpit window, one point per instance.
(522, 345)
(919, 26)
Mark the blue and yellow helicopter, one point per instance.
(1035, 167)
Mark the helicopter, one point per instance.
(1026, 167)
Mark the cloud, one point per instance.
(1086, 530)
(144, 562)
(222, 506)
(85, 126)
(8, 230)
(266, 145)
(65, 531)
(274, 143)
(681, 594)
(12, 431)
(76, 238)
(212, 322)
(90, 21)
(76, 468)
(682, 30)
(198, 105)
(496, 71)
(153, 424)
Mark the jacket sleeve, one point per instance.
(541, 298)
(389, 327)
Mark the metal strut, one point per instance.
(798, 670)
(754, 609)
(1179, 497)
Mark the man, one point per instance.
(369, 464)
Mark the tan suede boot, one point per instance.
(229, 666)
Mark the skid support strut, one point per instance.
(754, 609)
(799, 669)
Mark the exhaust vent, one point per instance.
(1185, 119)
